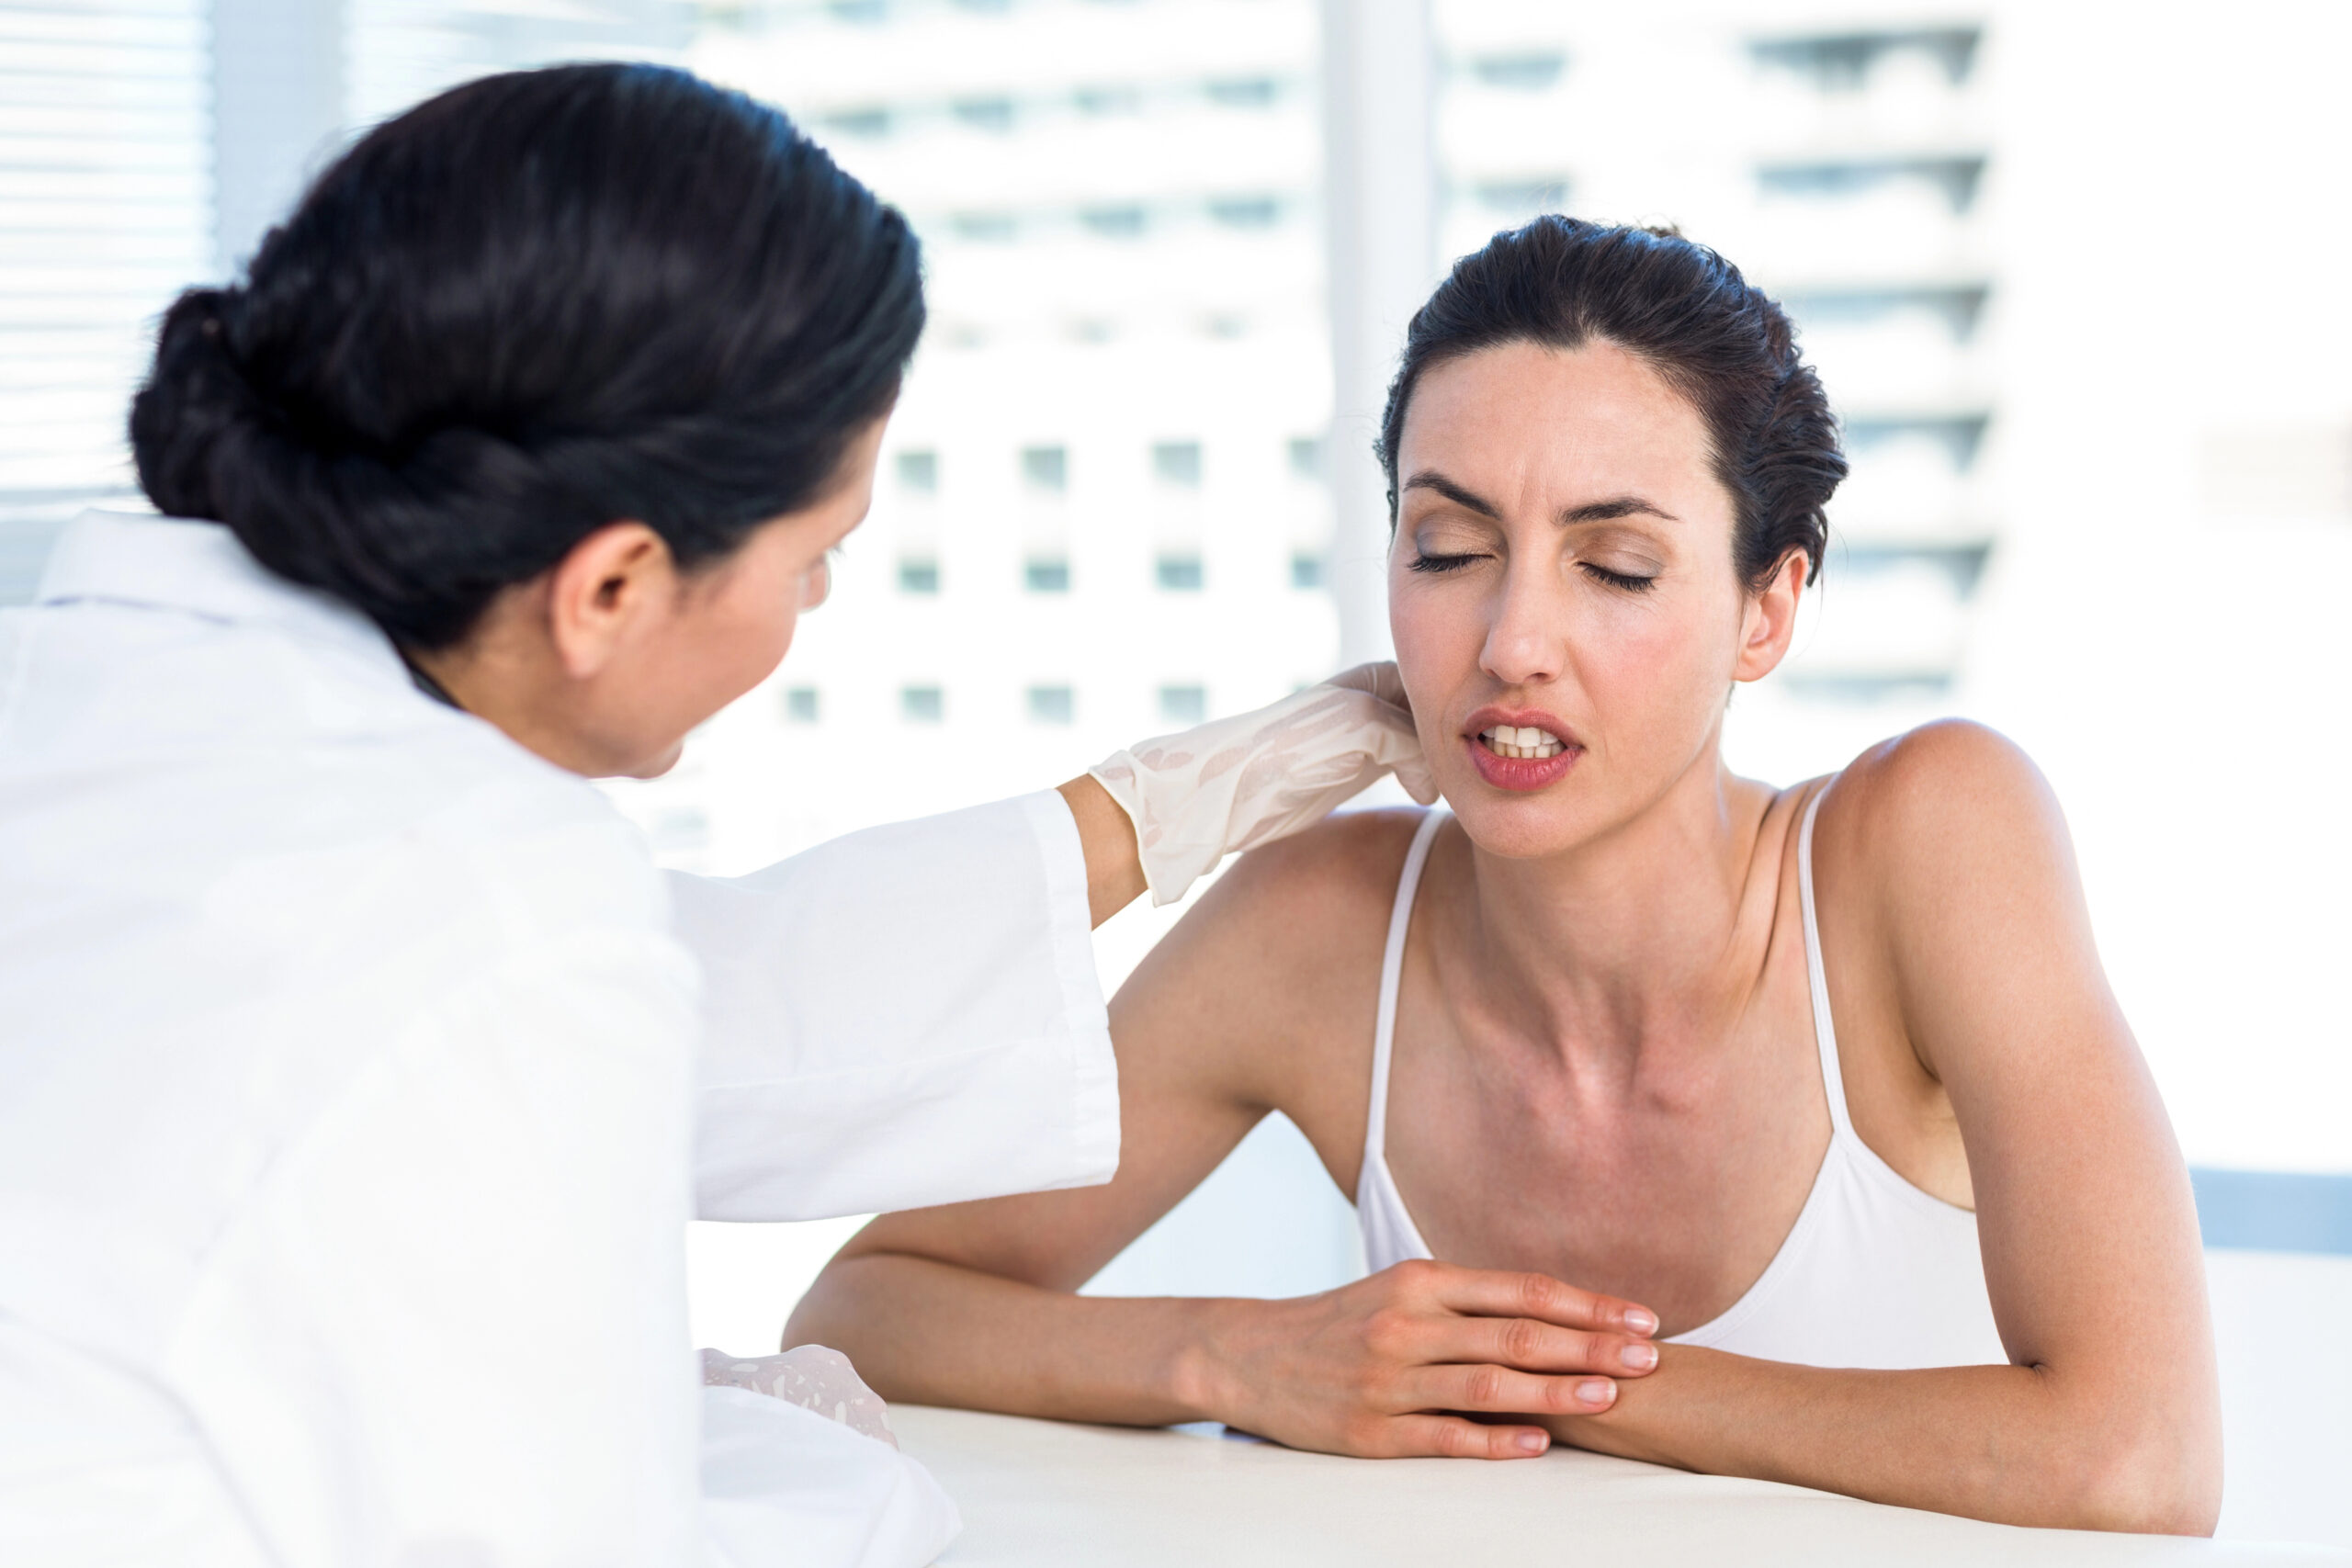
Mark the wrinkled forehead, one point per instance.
(1549, 428)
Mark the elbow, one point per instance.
(2164, 1479)
(827, 1311)
(2152, 1499)
(805, 1324)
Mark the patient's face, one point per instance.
(1563, 563)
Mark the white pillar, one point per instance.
(1380, 205)
(278, 111)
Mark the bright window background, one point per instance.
(106, 210)
(2065, 266)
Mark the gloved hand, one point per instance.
(1236, 782)
(811, 1376)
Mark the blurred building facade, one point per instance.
(1118, 447)
(1101, 513)
(1107, 505)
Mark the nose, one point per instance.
(1526, 641)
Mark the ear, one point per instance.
(607, 590)
(1770, 619)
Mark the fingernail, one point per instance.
(1597, 1390)
(1640, 1320)
(1532, 1442)
(1640, 1357)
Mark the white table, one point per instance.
(1041, 1494)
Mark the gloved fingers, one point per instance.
(1391, 741)
(1238, 782)
(1282, 794)
(1276, 783)
(1417, 777)
(1380, 679)
(1339, 720)
(1316, 711)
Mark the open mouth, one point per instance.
(1521, 741)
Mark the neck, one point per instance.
(495, 681)
(1644, 933)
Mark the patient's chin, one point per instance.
(1522, 826)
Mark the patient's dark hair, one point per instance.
(1561, 282)
(537, 304)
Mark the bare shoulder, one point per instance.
(1340, 873)
(1937, 801)
(1289, 908)
(1944, 857)
(1282, 954)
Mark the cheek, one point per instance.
(764, 639)
(1659, 666)
(1437, 639)
(752, 633)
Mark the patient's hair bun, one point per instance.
(539, 303)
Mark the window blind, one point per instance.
(105, 214)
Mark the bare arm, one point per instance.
(974, 1305)
(1113, 868)
(2109, 1416)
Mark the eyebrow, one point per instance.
(1591, 512)
(1616, 506)
(1430, 478)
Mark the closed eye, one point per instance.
(1627, 581)
(1442, 563)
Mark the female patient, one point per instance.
(1826, 1079)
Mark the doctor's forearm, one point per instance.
(2017, 1445)
(930, 1332)
(1113, 867)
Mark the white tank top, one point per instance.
(1875, 1273)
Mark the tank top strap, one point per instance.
(1825, 1030)
(1392, 970)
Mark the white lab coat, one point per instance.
(349, 1112)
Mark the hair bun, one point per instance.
(427, 390)
(196, 394)
(209, 444)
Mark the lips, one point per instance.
(1521, 751)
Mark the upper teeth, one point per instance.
(1520, 741)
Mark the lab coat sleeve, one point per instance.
(450, 1325)
(902, 1017)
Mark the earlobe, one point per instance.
(1769, 624)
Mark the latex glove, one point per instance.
(1238, 782)
(811, 1376)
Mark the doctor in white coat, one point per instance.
(358, 1072)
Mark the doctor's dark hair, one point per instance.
(534, 305)
(1724, 346)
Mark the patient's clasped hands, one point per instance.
(1422, 1359)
